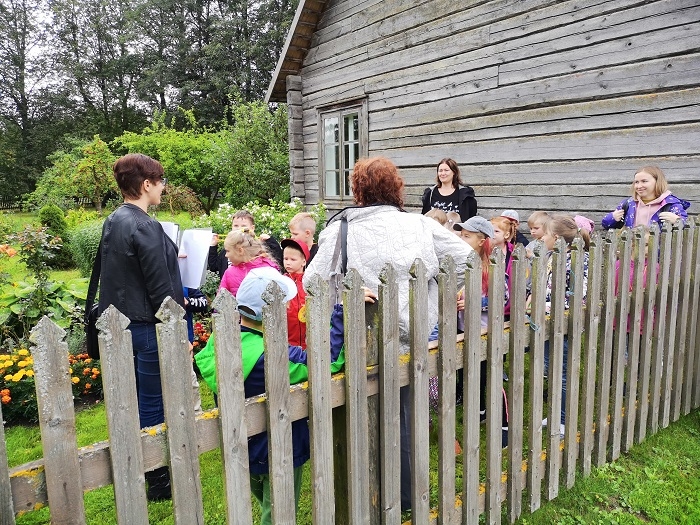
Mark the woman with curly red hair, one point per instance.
(380, 232)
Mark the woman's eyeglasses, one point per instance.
(163, 181)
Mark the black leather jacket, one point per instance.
(139, 265)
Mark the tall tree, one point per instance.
(23, 73)
(95, 44)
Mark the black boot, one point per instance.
(158, 484)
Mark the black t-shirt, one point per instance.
(446, 203)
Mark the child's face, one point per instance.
(499, 238)
(548, 239)
(536, 230)
(475, 240)
(293, 260)
(240, 223)
(235, 255)
(299, 235)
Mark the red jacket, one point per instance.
(296, 314)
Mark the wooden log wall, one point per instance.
(544, 104)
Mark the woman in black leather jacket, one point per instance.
(139, 270)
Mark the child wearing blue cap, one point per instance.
(250, 306)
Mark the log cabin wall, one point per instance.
(544, 104)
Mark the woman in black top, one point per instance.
(449, 194)
(139, 270)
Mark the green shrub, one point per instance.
(272, 219)
(52, 217)
(84, 242)
(78, 217)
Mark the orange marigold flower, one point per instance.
(96, 371)
(88, 361)
(88, 386)
(86, 371)
(5, 399)
(5, 392)
(94, 376)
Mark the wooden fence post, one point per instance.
(320, 407)
(356, 416)
(494, 386)
(681, 330)
(634, 338)
(472, 365)
(646, 347)
(660, 327)
(592, 326)
(538, 336)
(231, 400)
(119, 385)
(516, 386)
(7, 510)
(605, 347)
(671, 320)
(178, 405)
(279, 429)
(54, 395)
(389, 396)
(692, 376)
(624, 249)
(576, 301)
(447, 344)
(556, 366)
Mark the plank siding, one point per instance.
(544, 105)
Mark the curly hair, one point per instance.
(376, 180)
(452, 164)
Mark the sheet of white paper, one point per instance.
(195, 244)
(171, 229)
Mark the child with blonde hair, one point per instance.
(244, 252)
(302, 228)
(536, 222)
(438, 215)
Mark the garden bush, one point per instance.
(181, 198)
(84, 242)
(52, 217)
(78, 217)
(272, 219)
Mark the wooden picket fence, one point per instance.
(618, 393)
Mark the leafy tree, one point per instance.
(93, 176)
(185, 155)
(257, 156)
(85, 170)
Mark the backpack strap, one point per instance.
(344, 245)
(94, 282)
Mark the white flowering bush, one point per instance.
(272, 218)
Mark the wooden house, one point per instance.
(544, 104)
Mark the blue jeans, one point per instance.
(563, 375)
(147, 367)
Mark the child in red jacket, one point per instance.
(295, 258)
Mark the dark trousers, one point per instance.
(147, 367)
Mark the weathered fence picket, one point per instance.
(631, 366)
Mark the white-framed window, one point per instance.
(342, 141)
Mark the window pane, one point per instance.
(332, 157)
(332, 183)
(330, 125)
(350, 124)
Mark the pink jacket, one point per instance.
(234, 274)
